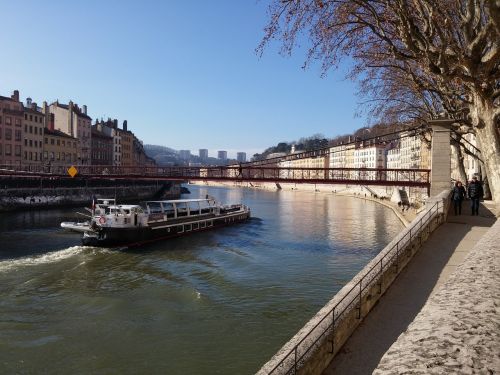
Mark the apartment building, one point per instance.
(59, 150)
(370, 155)
(102, 147)
(74, 121)
(11, 130)
(110, 128)
(34, 124)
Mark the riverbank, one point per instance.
(16, 196)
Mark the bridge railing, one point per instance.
(266, 173)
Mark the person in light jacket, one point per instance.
(475, 192)
(457, 196)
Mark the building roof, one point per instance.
(97, 133)
(7, 98)
(57, 133)
(76, 110)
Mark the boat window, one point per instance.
(126, 211)
(204, 207)
(154, 207)
(182, 209)
(169, 209)
(196, 226)
(187, 227)
(203, 224)
(194, 208)
(180, 229)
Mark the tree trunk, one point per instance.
(460, 162)
(489, 141)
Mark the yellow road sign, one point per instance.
(72, 171)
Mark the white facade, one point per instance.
(410, 151)
(394, 158)
(370, 156)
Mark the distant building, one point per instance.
(414, 153)
(369, 155)
(241, 157)
(11, 137)
(185, 154)
(127, 141)
(102, 147)
(320, 163)
(74, 121)
(110, 128)
(394, 156)
(59, 150)
(276, 155)
(34, 124)
(222, 155)
(203, 154)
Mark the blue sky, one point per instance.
(183, 73)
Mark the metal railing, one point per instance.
(365, 176)
(326, 327)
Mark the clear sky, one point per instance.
(183, 73)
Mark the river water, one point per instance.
(219, 302)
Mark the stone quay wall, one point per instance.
(12, 199)
(311, 350)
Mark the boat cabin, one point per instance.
(181, 208)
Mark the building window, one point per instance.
(31, 117)
(18, 122)
(31, 143)
(45, 155)
(8, 136)
(18, 135)
(51, 141)
(25, 116)
(8, 121)
(17, 150)
(25, 142)
(58, 142)
(8, 150)
(46, 141)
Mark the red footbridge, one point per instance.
(241, 173)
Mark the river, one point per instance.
(219, 302)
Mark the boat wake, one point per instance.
(52, 257)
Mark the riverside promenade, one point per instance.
(441, 313)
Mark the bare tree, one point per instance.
(448, 50)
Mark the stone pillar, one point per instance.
(440, 156)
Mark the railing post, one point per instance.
(359, 311)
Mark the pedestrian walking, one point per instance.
(475, 192)
(457, 196)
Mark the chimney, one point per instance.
(15, 95)
(125, 125)
(84, 109)
(115, 124)
(50, 124)
(34, 106)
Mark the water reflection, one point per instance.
(229, 298)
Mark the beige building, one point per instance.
(11, 130)
(319, 163)
(34, 124)
(59, 151)
(127, 145)
(74, 121)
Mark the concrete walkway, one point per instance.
(432, 265)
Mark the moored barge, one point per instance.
(133, 225)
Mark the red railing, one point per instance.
(365, 176)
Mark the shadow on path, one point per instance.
(410, 291)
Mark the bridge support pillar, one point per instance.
(440, 156)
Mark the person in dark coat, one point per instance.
(457, 196)
(475, 192)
